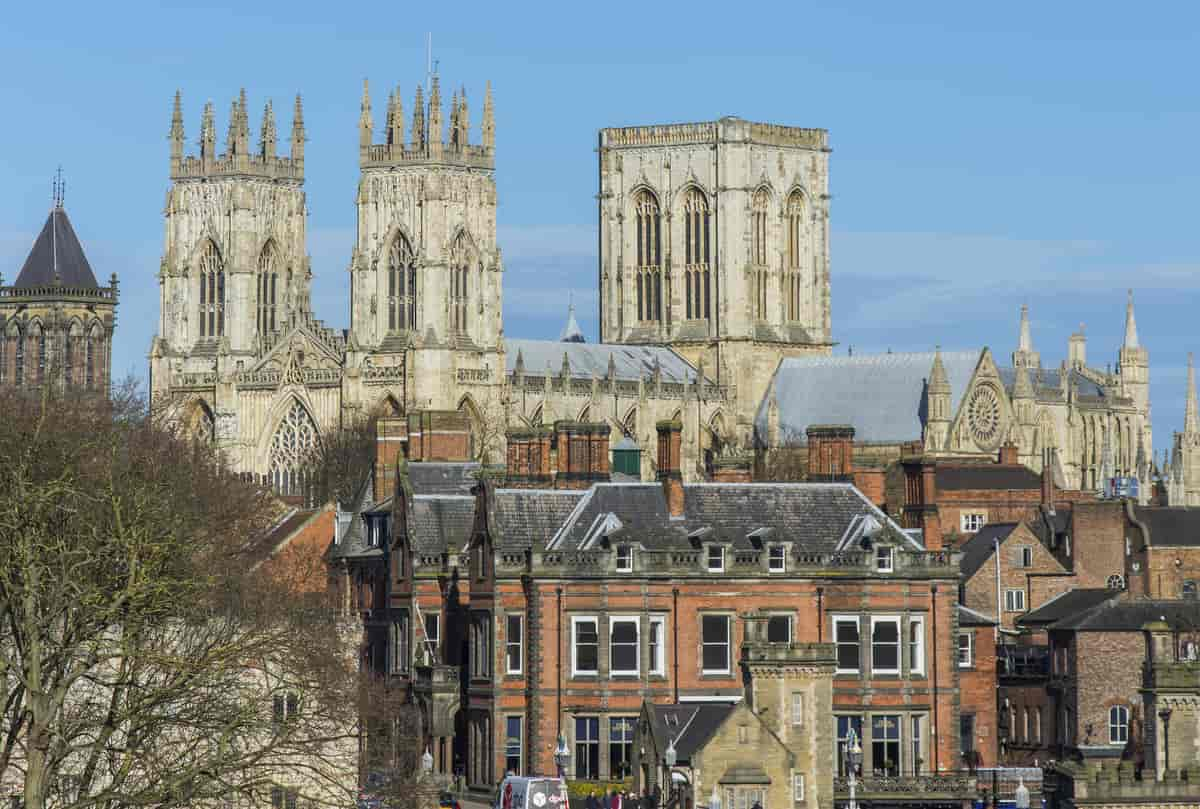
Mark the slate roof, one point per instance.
(1066, 605)
(530, 517)
(1051, 378)
(985, 476)
(442, 478)
(1131, 616)
(353, 543)
(1170, 527)
(816, 517)
(881, 395)
(440, 522)
(632, 362)
(56, 250)
(977, 550)
(690, 724)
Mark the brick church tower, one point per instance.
(56, 322)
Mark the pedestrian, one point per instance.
(616, 800)
(647, 798)
(605, 801)
(592, 802)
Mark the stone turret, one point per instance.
(1025, 356)
(435, 120)
(298, 137)
(937, 424)
(238, 161)
(365, 124)
(489, 121)
(268, 137)
(176, 136)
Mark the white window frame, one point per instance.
(847, 619)
(967, 519)
(798, 787)
(656, 659)
(771, 566)
(888, 619)
(728, 642)
(576, 620)
(613, 620)
(508, 643)
(1010, 599)
(916, 662)
(970, 636)
(624, 558)
(797, 709)
(885, 563)
(1123, 726)
(1026, 552)
(708, 554)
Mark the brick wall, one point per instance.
(1098, 542)
(1166, 569)
(1108, 672)
(977, 687)
(1040, 581)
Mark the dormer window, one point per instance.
(624, 558)
(715, 559)
(777, 559)
(885, 561)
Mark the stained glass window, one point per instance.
(291, 447)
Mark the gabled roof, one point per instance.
(530, 517)
(1131, 616)
(630, 362)
(1066, 605)
(815, 517)
(57, 253)
(1175, 527)
(977, 550)
(881, 395)
(689, 724)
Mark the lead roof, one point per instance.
(587, 360)
(56, 254)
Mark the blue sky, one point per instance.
(984, 155)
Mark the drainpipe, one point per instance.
(558, 656)
(820, 615)
(936, 725)
(999, 595)
(675, 643)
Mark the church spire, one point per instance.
(1131, 335)
(365, 124)
(243, 130)
(464, 119)
(436, 134)
(397, 134)
(488, 133)
(418, 124)
(298, 132)
(454, 144)
(208, 133)
(176, 135)
(1025, 341)
(1191, 418)
(268, 136)
(1025, 356)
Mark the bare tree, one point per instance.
(144, 659)
(786, 462)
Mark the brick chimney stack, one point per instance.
(1008, 454)
(582, 454)
(830, 452)
(391, 437)
(528, 458)
(670, 472)
(920, 497)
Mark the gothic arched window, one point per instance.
(203, 427)
(292, 446)
(460, 270)
(268, 279)
(17, 341)
(94, 348)
(36, 350)
(8, 345)
(212, 292)
(72, 346)
(402, 285)
(795, 256)
(697, 280)
(758, 250)
(649, 256)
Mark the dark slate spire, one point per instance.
(57, 256)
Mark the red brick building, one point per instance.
(517, 615)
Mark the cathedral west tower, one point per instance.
(714, 240)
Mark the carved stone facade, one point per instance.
(242, 361)
(714, 240)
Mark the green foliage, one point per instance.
(581, 789)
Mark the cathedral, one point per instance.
(714, 281)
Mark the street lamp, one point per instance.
(670, 757)
(1165, 716)
(853, 762)
(1022, 794)
(562, 756)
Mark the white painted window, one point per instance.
(513, 640)
(885, 558)
(885, 644)
(972, 521)
(1118, 724)
(777, 559)
(657, 644)
(585, 645)
(797, 708)
(966, 650)
(624, 558)
(845, 636)
(916, 645)
(798, 787)
(715, 559)
(624, 643)
(714, 642)
(1014, 600)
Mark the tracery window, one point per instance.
(649, 257)
(758, 250)
(94, 347)
(212, 293)
(402, 285)
(268, 279)
(71, 344)
(460, 269)
(37, 347)
(204, 425)
(292, 446)
(17, 340)
(697, 280)
(793, 281)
